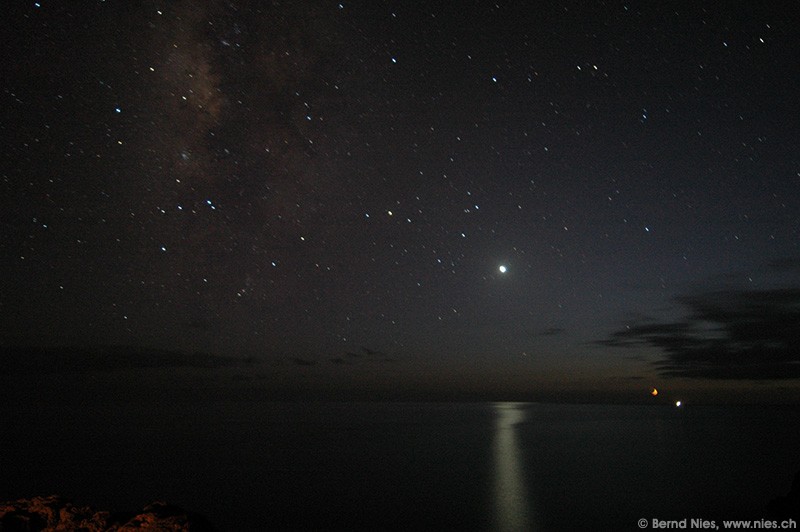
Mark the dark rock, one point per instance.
(165, 516)
(788, 506)
(54, 513)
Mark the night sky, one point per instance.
(563, 200)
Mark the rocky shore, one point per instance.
(54, 513)
(787, 506)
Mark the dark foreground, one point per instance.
(250, 465)
(56, 513)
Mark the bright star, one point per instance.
(502, 268)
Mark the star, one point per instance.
(502, 268)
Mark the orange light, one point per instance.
(654, 392)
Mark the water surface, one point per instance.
(467, 466)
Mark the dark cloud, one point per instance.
(727, 334)
(551, 331)
(15, 359)
(348, 358)
(366, 355)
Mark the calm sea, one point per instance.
(407, 466)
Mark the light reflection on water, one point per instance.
(511, 502)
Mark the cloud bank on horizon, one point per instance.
(725, 334)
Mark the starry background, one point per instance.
(314, 199)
